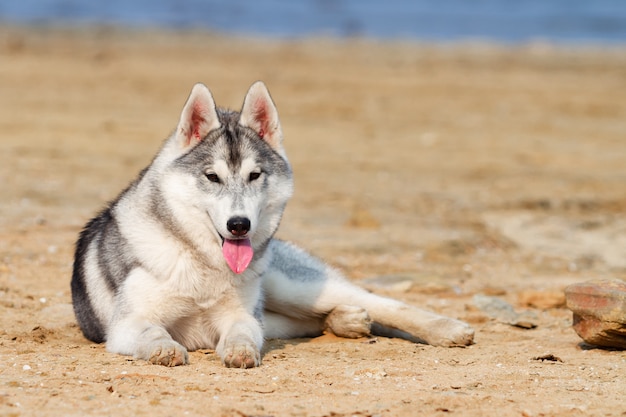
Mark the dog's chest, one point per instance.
(209, 285)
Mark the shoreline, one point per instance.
(478, 43)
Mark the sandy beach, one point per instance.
(450, 171)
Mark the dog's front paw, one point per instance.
(241, 353)
(349, 321)
(166, 353)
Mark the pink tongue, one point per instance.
(238, 254)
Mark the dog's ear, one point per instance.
(259, 114)
(198, 117)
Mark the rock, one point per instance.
(599, 309)
(502, 311)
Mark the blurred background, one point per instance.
(559, 21)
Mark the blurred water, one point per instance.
(563, 21)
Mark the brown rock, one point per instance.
(599, 312)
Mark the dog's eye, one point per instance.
(213, 177)
(254, 176)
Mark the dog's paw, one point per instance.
(241, 353)
(450, 333)
(348, 321)
(167, 353)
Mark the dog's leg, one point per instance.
(349, 321)
(137, 326)
(280, 326)
(147, 341)
(241, 341)
(321, 289)
(394, 318)
(344, 321)
(237, 318)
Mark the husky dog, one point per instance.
(184, 258)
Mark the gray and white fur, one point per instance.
(185, 258)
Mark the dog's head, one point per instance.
(230, 170)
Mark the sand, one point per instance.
(452, 170)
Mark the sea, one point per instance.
(600, 22)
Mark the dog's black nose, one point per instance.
(238, 226)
